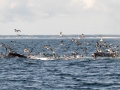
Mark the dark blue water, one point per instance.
(82, 74)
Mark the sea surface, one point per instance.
(74, 74)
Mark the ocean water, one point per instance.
(74, 74)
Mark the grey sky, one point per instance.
(49, 17)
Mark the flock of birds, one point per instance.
(102, 50)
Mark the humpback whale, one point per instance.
(14, 54)
(103, 54)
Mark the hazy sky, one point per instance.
(49, 17)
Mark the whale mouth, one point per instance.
(72, 58)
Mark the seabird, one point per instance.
(48, 48)
(61, 42)
(82, 35)
(101, 39)
(99, 50)
(61, 34)
(79, 56)
(17, 31)
(26, 50)
(73, 54)
(67, 57)
(78, 43)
